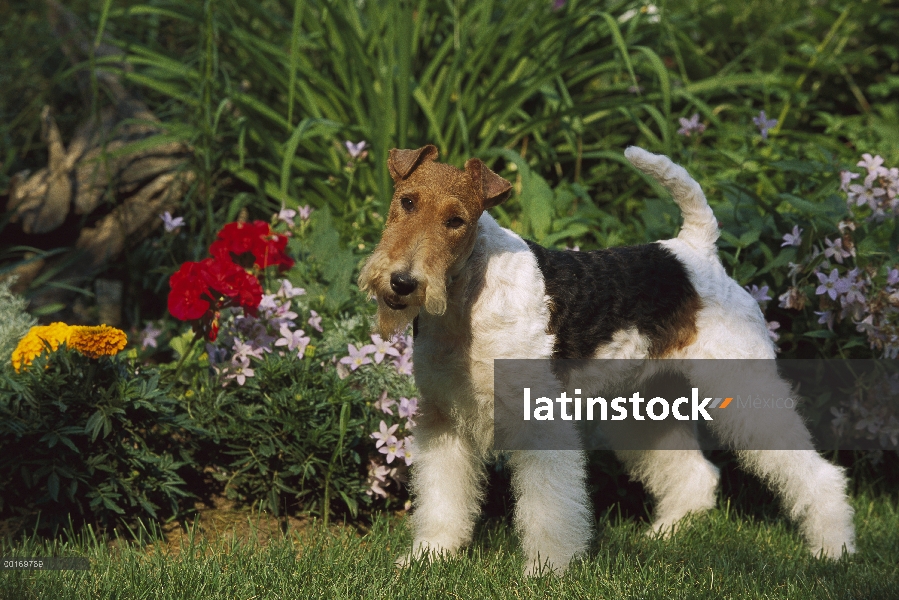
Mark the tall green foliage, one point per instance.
(267, 91)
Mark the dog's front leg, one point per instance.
(446, 484)
(552, 510)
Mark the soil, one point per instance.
(214, 519)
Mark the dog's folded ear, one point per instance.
(401, 163)
(494, 188)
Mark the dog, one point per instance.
(475, 292)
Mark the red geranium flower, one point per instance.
(272, 249)
(232, 283)
(250, 244)
(188, 299)
(201, 289)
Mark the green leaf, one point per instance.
(308, 128)
(730, 238)
(749, 238)
(744, 272)
(870, 246)
(572, 231)
(806, 207)
(798, 166)
(94, 424)
(537, 204)
(181, 343)
(344, 419)
(47, 309)
(351, 504)
(855, 342)
(785, 256)
(820, 334)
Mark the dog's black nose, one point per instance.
(403, 283)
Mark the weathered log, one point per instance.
(104, 170)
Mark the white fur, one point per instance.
(497, 308)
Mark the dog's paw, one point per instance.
(403, 561)
(537, 568)
(423, 551)
(663, 529)
(833, 550)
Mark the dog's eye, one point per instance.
(455, 223)
(407, 204)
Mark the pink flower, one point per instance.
(407, 450)
(171, 224)
(377, 475)
(294, 340)
(357, 357)
(268, 302)
(845, 178)
(306, 212)
(287, 215)
(865, 195)
(852, 287)
(385, 404)
(282, 315)
(408, 407)
(382, 348)
(241, 370)
(893, 277)
(825, 318)
(759, 295)
(148, 336)
(764, 124)
(404, 363)
(873, 166)
(793, 238)
(691, 125)
(772, 327)
(315, 321)
(830, 285)
(392, 448)
(287, 290)
(836, 250)
(892, 182)
(385, 434)
(244, 349)
(356, 150)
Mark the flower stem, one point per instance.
(349, 185)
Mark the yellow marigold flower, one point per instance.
(36, 340)
(98, 341)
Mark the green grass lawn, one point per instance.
(723, 555)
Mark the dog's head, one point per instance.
(430, 233)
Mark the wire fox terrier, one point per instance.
(476, 292)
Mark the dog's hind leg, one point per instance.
(447, 484)
(774, 443)
(552, 509)
(674, 471)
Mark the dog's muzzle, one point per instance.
(402, 285)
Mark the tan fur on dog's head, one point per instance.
(430, 233)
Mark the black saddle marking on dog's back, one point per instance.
(594, 294)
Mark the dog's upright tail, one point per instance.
(700, 228)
